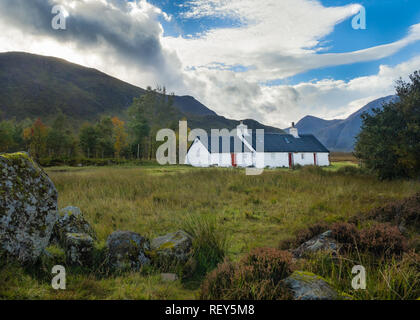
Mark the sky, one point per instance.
(274, 61)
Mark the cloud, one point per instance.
(224, 68)
(123, 34)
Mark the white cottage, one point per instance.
(245, 148)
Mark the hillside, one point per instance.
(339, 134)
(38, 86)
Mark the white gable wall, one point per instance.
(198, 155)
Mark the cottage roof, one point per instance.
(273, 142)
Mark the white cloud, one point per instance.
(273, 39)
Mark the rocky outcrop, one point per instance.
(126, 250)
(322, 242)
(79, 248)
(308, 286)
(71, 220)
(171, 248)
(28, 207)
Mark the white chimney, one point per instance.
(294, 131)
(242, 130)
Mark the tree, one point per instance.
(36, 138)
(59, 138)
(105, 131)
(120, 136)
(6, 136)
(389, 141)
(88, 138)
(154, 110)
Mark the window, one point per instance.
(302, 156)
(273, 156)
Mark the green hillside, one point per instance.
(33, 86)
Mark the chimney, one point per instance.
(294, 131)
(242, 130)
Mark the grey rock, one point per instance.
(79, 248)
(172, 247)
(71, 220)
(308, 286)
(322, 242)
(127, 250)
(168, 277)
(28, 207)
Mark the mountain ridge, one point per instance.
(34, 86)
(339, 134)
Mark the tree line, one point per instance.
(109, 137)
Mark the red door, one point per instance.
(314, 159)
(233, 159)
(290, 160)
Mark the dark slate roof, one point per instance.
(273, 142)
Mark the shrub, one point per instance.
(257, 276)
(304, 235)
(405, 211)
(382, 239)
(345, 233)
(268, 263)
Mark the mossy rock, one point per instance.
(71, 220)
(79, 249)
(28, 207)
(127, 251)
(309, 286)
(173, 248)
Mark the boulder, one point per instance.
(28, 207)
(168, 277)
(308, 286)
(70, 220)
(322, 242)
(126, 250)
(172, 248)
(79, 248)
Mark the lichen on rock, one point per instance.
(79, 248)
(126, 250)
(323, 242)
(70, 220)
(309, 286)
(171, 248)
(28, 207)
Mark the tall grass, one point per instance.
(210, 243)
(213, 203)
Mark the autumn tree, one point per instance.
(36, 138)
(120, 136)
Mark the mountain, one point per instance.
(339, 134)
(39, 86)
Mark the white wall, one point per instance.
(303, 158)
(323, 158)
(198, 155)
(273, 160)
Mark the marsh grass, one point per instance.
(251, 211)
